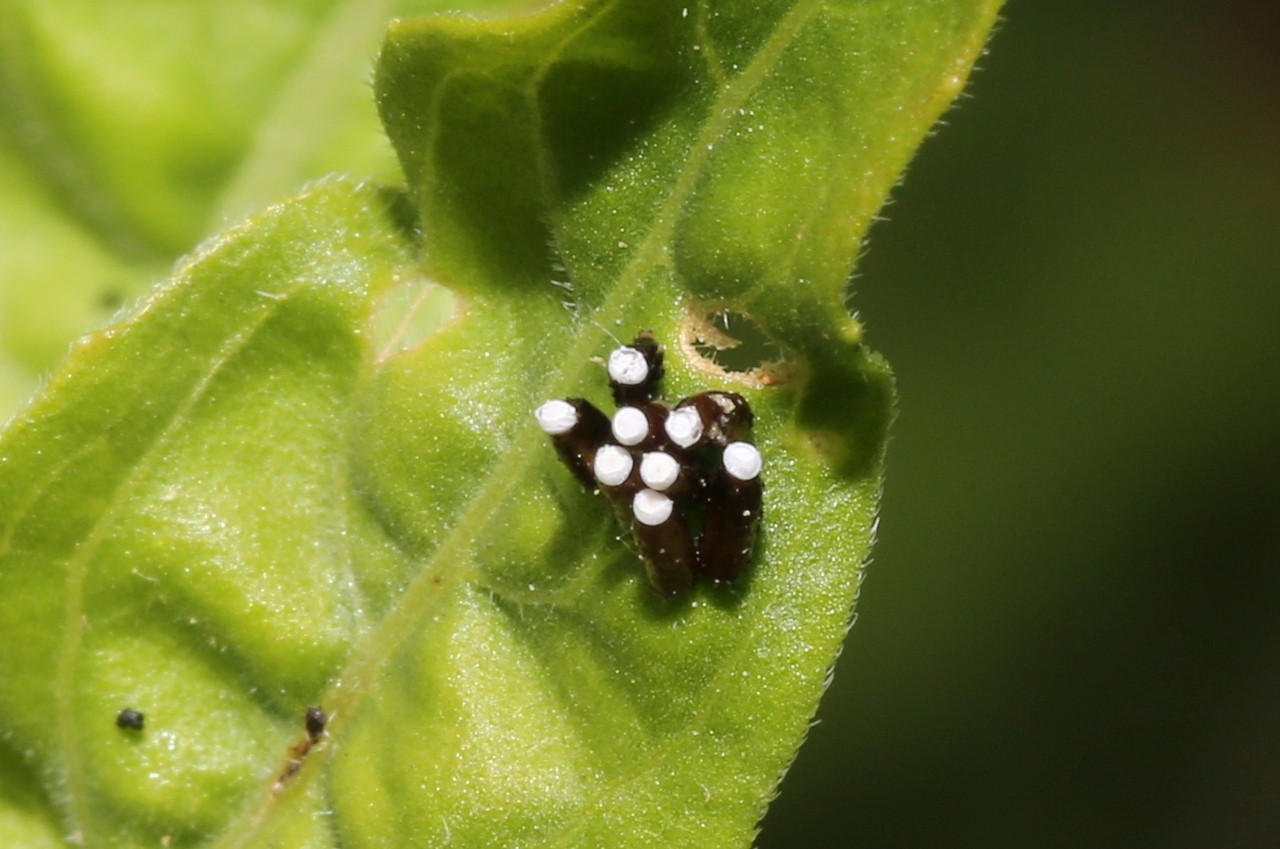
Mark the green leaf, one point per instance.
(300, 473)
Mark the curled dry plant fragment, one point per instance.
(314, 720)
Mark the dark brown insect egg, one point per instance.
(576, 429)
(666, 546)
(618, 479)
(733, 511)
(635, 370)
(715, 417)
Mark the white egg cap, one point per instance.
(556, 417)
(630, 425)
(627, 366)
(612, 465)
(651, 508)
(684, 426)
(659, 470)
(742, 460)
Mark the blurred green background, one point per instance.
(1070, 633)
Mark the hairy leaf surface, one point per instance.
(304, 471)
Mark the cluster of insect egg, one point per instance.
(682, 479)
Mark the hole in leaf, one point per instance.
(409, 313)
(732, 343)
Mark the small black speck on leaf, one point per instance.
(129, 718)
(316, 720)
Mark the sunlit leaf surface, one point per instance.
(304, 471)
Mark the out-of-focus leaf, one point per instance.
(130, 130)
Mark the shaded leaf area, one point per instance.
(273, 486)
(130, 130)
